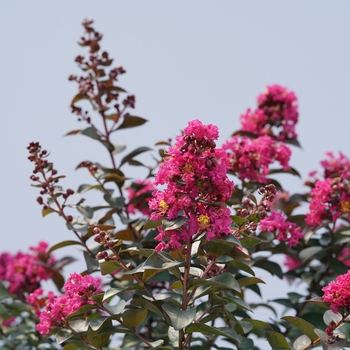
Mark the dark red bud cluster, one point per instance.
(102, 237)
(268, 192)
(68, 193)
(197, 146)
(103, 256)
(129, 101)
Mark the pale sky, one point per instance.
(185, 60)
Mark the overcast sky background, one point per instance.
(200, 59)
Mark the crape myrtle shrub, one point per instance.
(169, 258)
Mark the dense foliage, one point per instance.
(170, 257)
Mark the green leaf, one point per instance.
(210, 331)
(74, 132)
(91, 262)
(62, 336)
(108, 267)
(308, 253)
(85, 187)
(277, 340)
(239, 220)
(250, 242)
(61, 245)
(97, 323)
(131, 121)
(47, 211)
(80, 325)
(149, 305)
(3, 292)
(82, 310)
(156, 261)
(257, 324)
(118, 202)
(116, 309)
(173, 224)
(179, 318)
(134, 154)
(270, 266)
(218, 247)
(224, 281)
(291, 171)
(247, 281)
(86, 211)
(119, 148)
(306, 327)
(92, 133)
(151, 224)
(78, 97)
(241, 266)
(134, 318)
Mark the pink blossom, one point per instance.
(276, 115)
(291, 263)
(78, 292)
(139, 195)
(283, 229)
(194, 173)
(337, 293)
(344, 256)
(336, 166)
(330, 200)
(24, 272)
(250, 158)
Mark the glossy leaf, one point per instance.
(179, 318)
(308, 253)
(247, 281)
(210, 331)
(306, 327)
(116, 309)
(46, 211)
(62, 244)
(108, 267)
(131, 121)
(97, 323)
(134, 154)
(270, 266)
(173, 224)
(277, 340)
(79, 325)
(224, 281)
(134, 318)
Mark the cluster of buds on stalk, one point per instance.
(103, 238)
(251, 210)
(48, 180)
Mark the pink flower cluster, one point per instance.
(139, 194)
(283, 229)
(195, 174)
(23, 271)
(330, 200)
(78, 292)
(276, 115)
(336, 166)
(291, 263)
(337, 293)
(250, 158)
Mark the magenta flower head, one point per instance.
(337, 293)
(194, 172)
(25, 271)
(250, 158)
(284, 230)
(330, 200)
(276, 115)
(139, 194)
(78, 292)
